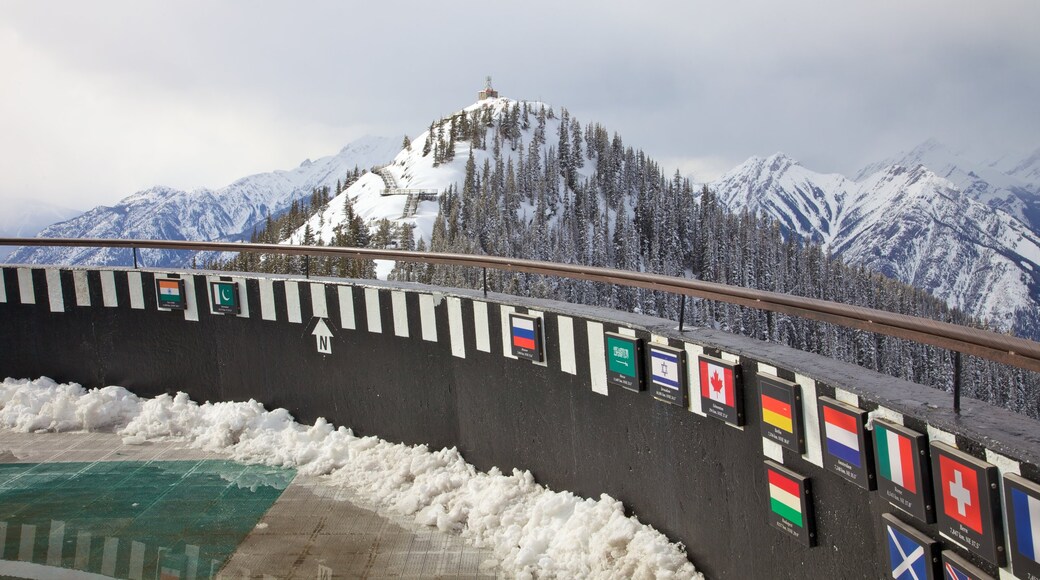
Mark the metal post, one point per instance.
(682, 311)
(485, 282)
(135, 257)
(957, 382)
(307, 265)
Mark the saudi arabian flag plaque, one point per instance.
(624, 361)
(223, 297)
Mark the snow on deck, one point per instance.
(532, 530)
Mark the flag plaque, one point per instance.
(903, 477)
(780, 402)
(624, 361)
(846, 447)
(526, 337)
(911, 554)
(224, 298)
(790, 503)
(956, 568)
(170, 294)
(722, 394)
(967, 496)
(1022, 506)
(668, 374)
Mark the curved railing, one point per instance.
(1017, 352)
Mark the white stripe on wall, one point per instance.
(133, 282)
(346, 307)
(456, 327)
(428, 317)
(545, 346)
(79, 279)
(481, 326)
(693, 370)
(626, 331)
(25, 286)
(108, 288)
(568, 361)
(772, 450)
(937, 434)
(3, 287)
(54, 293)
(811, 414)
(597, 358)
(192, 311)
(268, 310)
(400, 308)
(319, 306)
(846, 397)
(292, 301)
(507, 332)
(375, 323)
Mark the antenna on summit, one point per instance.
(488, 92)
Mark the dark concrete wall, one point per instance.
(692, 477)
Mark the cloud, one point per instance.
(121, 95)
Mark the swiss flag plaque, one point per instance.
(968, 500)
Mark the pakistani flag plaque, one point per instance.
(224, 299)
(624, 361)
(169, 294)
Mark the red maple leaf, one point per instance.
(716, 382)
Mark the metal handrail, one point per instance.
(1017, 352)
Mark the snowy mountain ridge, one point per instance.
(225, 214)
(906, 222)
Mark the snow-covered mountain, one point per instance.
(23, 218)
(906, 222)
(226, 214)
(1009, 184)
(412, 170)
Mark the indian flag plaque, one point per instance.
(169, 294)
(790, 503)
(624, 361)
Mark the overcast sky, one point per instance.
(103, 98)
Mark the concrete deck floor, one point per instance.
(313, 530)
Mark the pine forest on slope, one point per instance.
(517, 179)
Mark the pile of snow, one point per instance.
(532, 530)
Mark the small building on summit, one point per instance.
(488, 92)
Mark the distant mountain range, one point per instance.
(966, 231)
(226, 214)
(907, 222)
